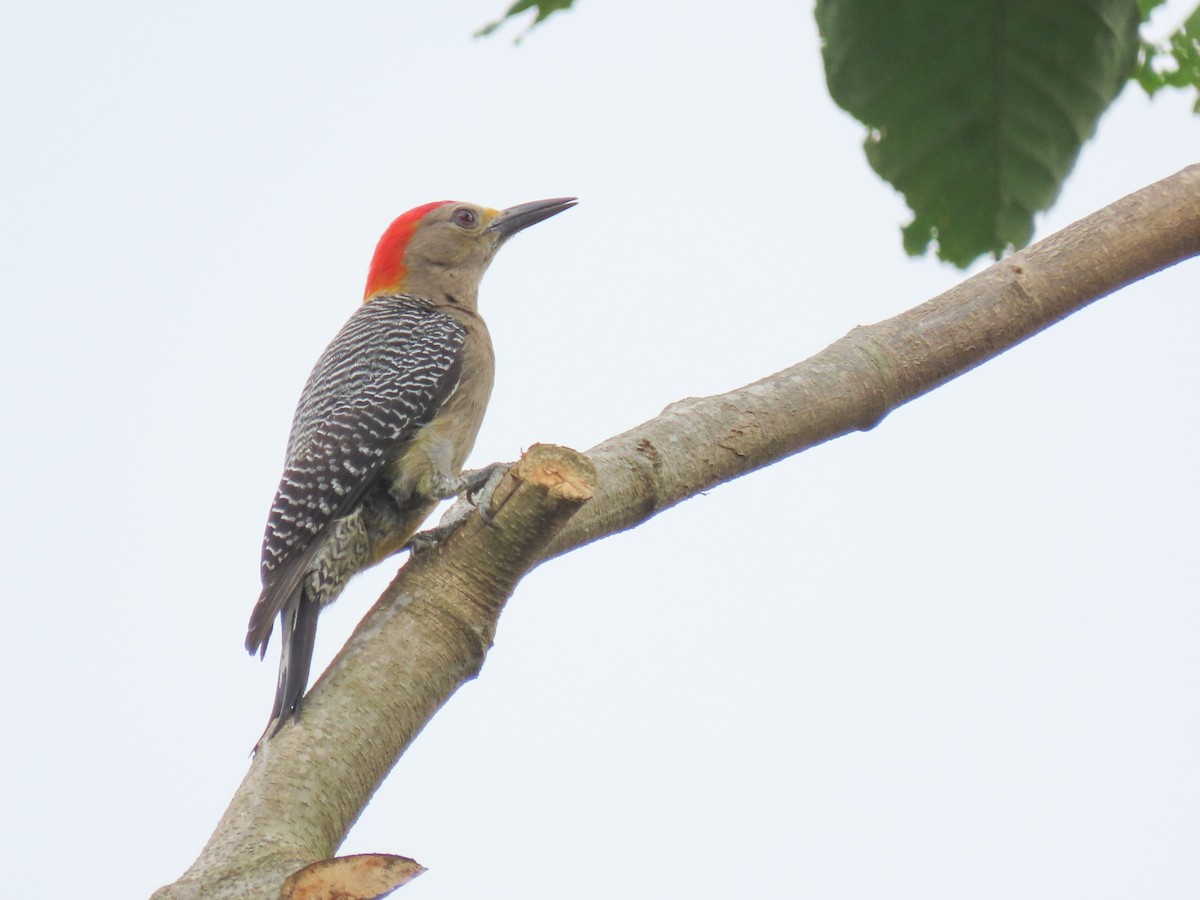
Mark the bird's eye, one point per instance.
(465, 217)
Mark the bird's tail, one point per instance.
(299, 616)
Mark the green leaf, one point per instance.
(977, 109)
(545, 9)
(1148, 6)
(1173, 64)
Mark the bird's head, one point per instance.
(440, 251)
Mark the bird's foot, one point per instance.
(472, 480)
(474, 490)
(481, 496)
(475, 483)
(455, 516)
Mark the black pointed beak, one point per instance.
(517, 218)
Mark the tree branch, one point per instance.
(431, 629)
(425, 637)
(854, 383)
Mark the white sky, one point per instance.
(954, 657)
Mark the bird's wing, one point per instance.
(381, 378)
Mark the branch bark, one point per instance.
(425, 637)
(431, 629)
(854, 383)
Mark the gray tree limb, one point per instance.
(430, 631)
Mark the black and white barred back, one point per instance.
(383, 377)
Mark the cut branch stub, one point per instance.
(365, 876)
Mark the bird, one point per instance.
(384, 424)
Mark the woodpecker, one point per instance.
(384, 424)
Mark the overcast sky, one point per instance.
(954, 657)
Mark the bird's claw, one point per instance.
(474, 490)
(424, 540)
(486, 490)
